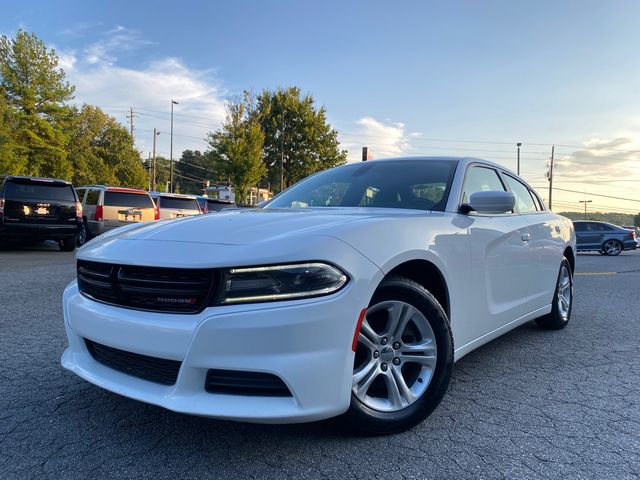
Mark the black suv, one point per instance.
(39, 209)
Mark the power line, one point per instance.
(596, 194)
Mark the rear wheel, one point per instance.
(612, 247)
(562, 300)
(403, 360)
(83, 234)
(68, 244)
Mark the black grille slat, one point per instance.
(157, 289)
(245, 383)
(157, 370)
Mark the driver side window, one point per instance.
(480, 179)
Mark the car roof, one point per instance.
(176, 195)
(35, 179)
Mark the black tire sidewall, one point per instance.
(376, 421)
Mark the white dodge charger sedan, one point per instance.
(352, 292)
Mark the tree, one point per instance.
(636, 220)
(236, 149)
(192, 171)
(296, 130)
(102, 151)
(11, 160)
(35, 90)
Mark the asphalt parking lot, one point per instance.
(532, 404)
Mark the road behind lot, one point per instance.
(532, 404)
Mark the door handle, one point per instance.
(526, 237)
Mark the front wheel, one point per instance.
(612, 247)
(562, 300)
(403, 359)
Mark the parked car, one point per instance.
(212, 205)
(603, 237)
(353, 291)
(106, 208)
(174, 205)
(38, 209)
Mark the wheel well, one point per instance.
(568, 252)
(427, 275)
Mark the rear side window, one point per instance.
(524, 200)
(481, 179)
(92, 197)
(125, 199)
(182, 203)
(30, 190)
(80, 193)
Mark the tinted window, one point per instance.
(217, 206)
(412, 184)
(125, 199)
(524, 200)
(481, 179)
(80, 193)
(29, 190)
(182, 203)
(580, 227)
(92, 197)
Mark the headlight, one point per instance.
(279, 282)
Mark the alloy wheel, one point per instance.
(612, 247)
(565, 293)
(396, 356)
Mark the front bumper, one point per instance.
(306, 343)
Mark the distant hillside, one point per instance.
(611, 217)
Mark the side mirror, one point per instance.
(490, 202)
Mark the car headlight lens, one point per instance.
(280, 282)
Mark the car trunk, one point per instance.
(38, 201)
(121, 208)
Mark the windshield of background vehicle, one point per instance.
(413, 184)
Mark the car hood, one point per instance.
(241, 227)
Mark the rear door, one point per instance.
(41, 201)
(122, 207)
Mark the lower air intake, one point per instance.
(257, 384)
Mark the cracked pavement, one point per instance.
(531, 404)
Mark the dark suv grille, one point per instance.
(158, 370)
(147, 288)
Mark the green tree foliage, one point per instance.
(10, 160)
(102, 151)
(192, 171)
(236, 149)
(35, 90)
(296, 129)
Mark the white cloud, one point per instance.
(602, 158)
(385, 139)
(102, 81)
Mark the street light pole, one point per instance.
(585, 206)
(173, 102)
(518, 145)
(153, 176)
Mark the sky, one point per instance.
(464, 78)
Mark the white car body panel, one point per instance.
(500, 271)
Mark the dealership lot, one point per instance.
(532, 403)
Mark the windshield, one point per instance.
(414, 184)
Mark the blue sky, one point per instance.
(397, 76)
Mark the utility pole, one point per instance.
(282, 152)
(131, 116)
(155, 169)
(585, 206)
(149, 170)
(173, 102)
(553, 147)
(518, 145)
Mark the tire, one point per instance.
(82, 234)
(68, 244)
(612, 248)
(562, 300)
(418, 337)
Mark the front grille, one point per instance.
(158, 370)
(157, 289)
(245, 383)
